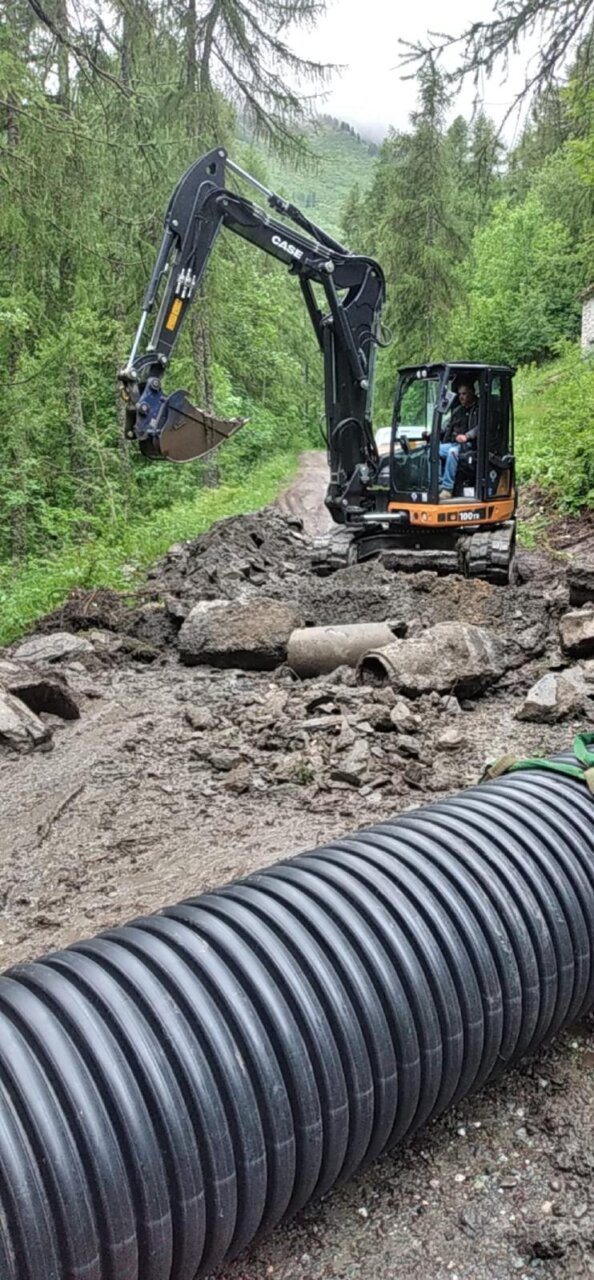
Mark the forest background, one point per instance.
(487, 252)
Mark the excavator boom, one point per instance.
(346, 327)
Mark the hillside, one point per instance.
(554, 428)
(342, 161)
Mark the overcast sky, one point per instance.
(364, 36)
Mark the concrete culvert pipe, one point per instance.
(171, 1088)
(314, 651)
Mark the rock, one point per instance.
(403, 719)
(205, 606)
(451, 706)
(375, 714)
(251, 634)
(104, 641)
(580, 580)
(200, 718)
(11, 674)
(20, 728)
(556, 695)
(353, 767)
(451, 657)
(424, 580)
(532, 640)
(414, 775)
(176, 608)
(224, 761)
(314, 723)
(409, 746)
(341, 675)
(577, 632)
(452, 739)
(51, 648)
(238, 780)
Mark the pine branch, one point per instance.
(483, 46)
(82, 55)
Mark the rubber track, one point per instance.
(172, 1088)
(333, 551)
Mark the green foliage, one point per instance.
(555, 444)
(90, 149)
(45, 581)
(432, 186)
(521, 287)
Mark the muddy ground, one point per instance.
(176, 778)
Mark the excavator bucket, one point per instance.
(183, 432)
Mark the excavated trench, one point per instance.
(176, 778)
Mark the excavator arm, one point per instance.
(346, 325)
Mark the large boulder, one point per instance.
(451, 657)
(557, 695)
(577, 632)
(251, 634)
(52, 648)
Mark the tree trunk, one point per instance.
(191, 41)
(62, 56)
(18, 450)
(78, 439)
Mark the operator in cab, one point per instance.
(461, 429)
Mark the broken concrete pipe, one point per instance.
(175, 1087)
(315, 651)
(451, 657)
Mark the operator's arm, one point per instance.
(469, 430)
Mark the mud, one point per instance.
(175, 779)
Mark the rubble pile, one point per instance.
(226, 605)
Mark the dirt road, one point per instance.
(305, 496)
(176, 778)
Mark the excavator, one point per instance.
(382, 502)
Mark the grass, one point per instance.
(123, 551)
(554, 441)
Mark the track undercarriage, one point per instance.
(487, 554)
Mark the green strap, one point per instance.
(584, 772)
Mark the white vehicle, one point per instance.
(414, 435)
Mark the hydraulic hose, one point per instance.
(172, 1088)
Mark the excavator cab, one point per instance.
(407, 515)
(470, 527)
(427, 400)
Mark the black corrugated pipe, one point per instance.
(174, 1087)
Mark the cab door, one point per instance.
(496, 463)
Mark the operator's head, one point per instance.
(465, 391)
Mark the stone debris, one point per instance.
(200, 718)
(251, 634)
(451, 739)
(228, 604)
(556, 696)
(51, 648)
(577, 632)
